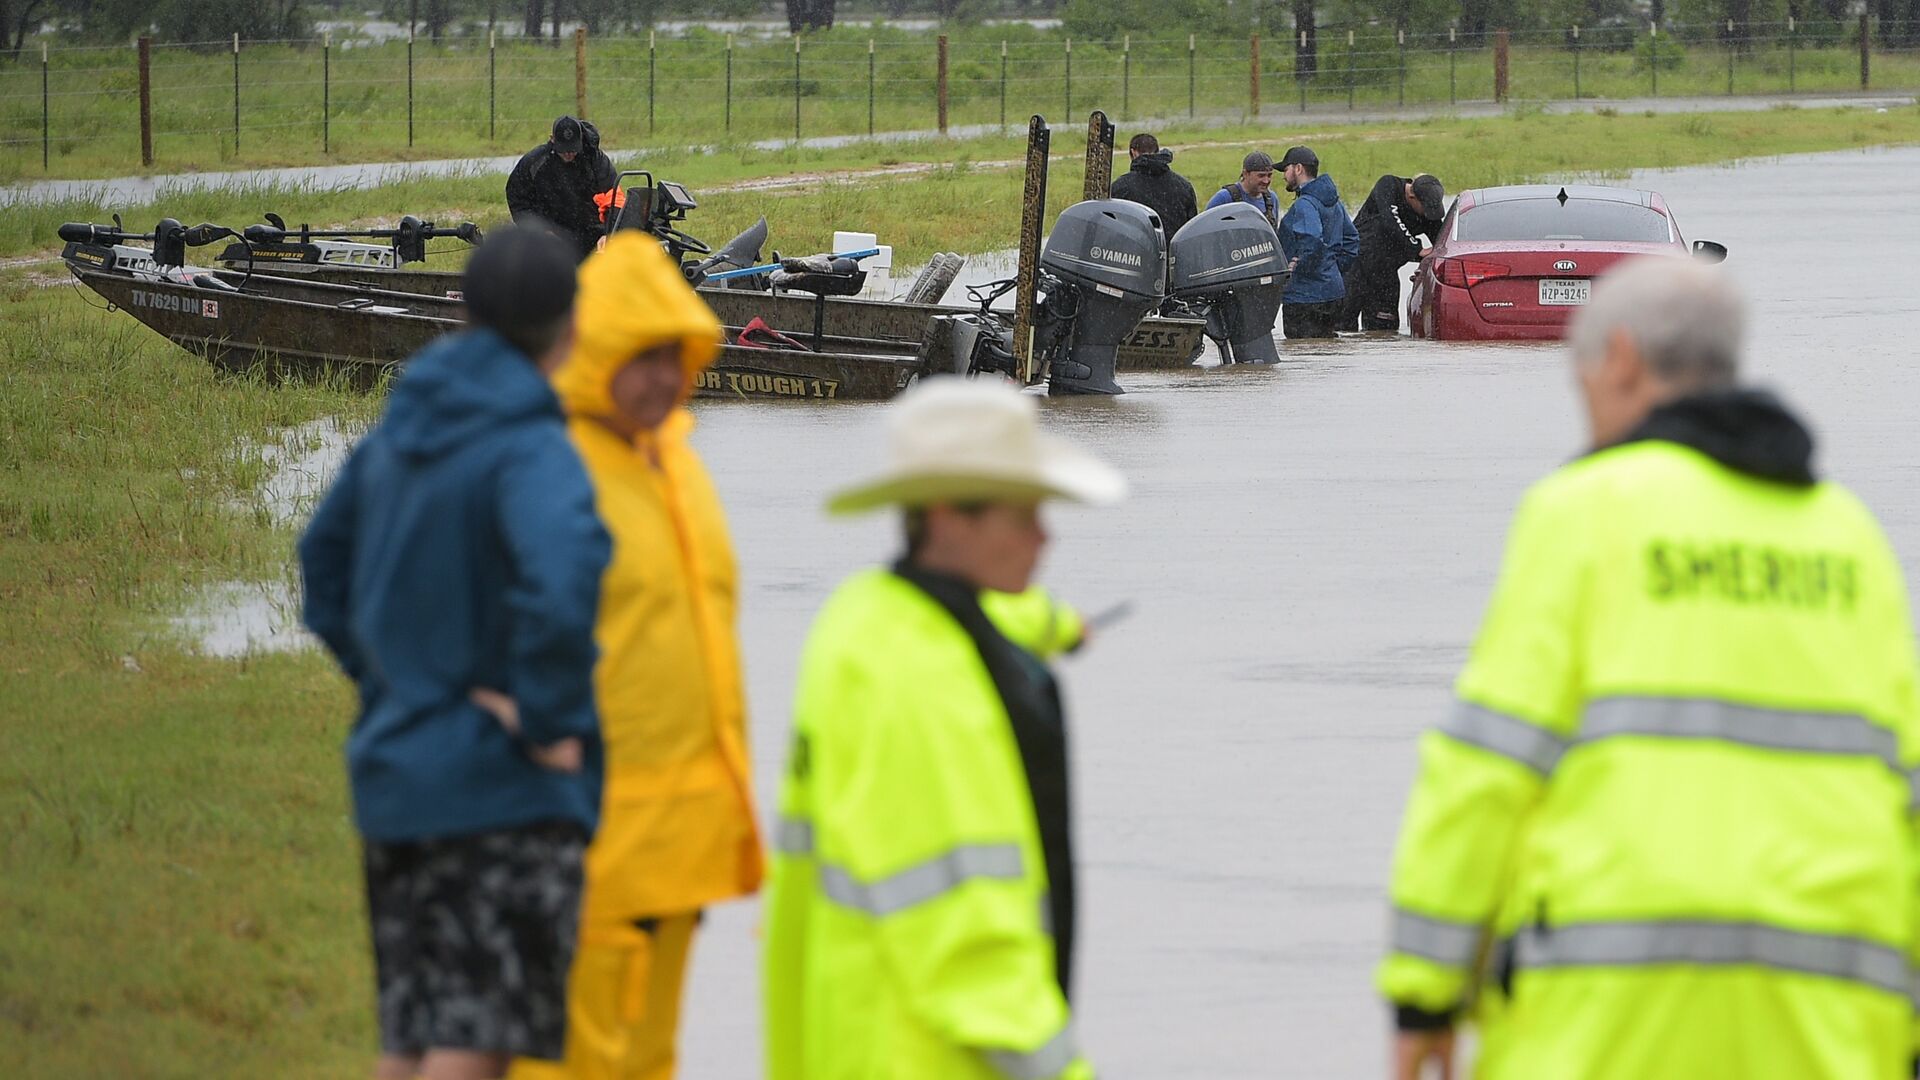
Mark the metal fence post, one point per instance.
(46, 115)
(492, 124)
(1499, 66)
(1191, 79)
(1865, 52)
(1401, 36)
(1653, 55)
(1296, 70)
(870, 66)
(1069, 56)
(326, 92)
(146, 100)
(796, 88)
(580, 71)
(236, 92)
(1349, 71)
(1253, 73)
(940, 88)
(409, 86)
(729, 82)
(1729, 57)
(1453, 63)
(1790, 37)
(1576, 62)
(1003, 84)
(650, 58)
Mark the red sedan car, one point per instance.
(1513, 263)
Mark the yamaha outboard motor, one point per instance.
(1229, 260)
(1108, 265)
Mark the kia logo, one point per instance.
(1566, 264)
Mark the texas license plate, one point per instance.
(1564, 292)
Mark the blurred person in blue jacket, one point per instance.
(453, 570)
(1320, 242)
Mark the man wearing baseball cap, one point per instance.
(555, 183)
(921, 915)
(1399, 223)
(1254, 188)
(1320, 243)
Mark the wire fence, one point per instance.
(236, 102)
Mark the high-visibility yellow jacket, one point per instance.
(678, 824)
(1667, 831)
(1035, 620)
(906, 934)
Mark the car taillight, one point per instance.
(1465, 273)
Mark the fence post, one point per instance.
(409, 85)
(1790, 37)
(580, 71)
(941, 87)
(492, 126)
(1349, 71)
(1253, 75)
(326, 92)
(236, 92)
(146, 100)
(1866, 53)
(651, 44)
(46, 115)
(1069, 56)
(1003, 85)
(1297, 53)
(1576, 61)
(729, 83)
(1729, 57)
(1126, 75)
(796, 88)
(1453, 63)
(1499, 66)
(1191, 80)
(870, 67)
(1401, 35)
(1653, 55)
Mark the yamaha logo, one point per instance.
(1566, 264)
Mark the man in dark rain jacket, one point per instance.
(1399, 224)
(1152, 183)
(1320, 242)
(556, 182)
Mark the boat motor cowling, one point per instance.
(1108, 265)
(1229, 260)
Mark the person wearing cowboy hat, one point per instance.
(920, 919)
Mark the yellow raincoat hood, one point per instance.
(632, 298)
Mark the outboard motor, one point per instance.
(1108, 265)
(1229, 260)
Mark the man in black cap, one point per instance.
(453, 570)
(556, 182)
(1255, 187)
(1152, 183)
(1320, 243)
(1399, 224)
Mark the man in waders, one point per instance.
(921, 913)
(1668, 830)
(1255, 188)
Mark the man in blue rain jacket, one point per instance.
(1320, 243)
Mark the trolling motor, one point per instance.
(975, 344)
(307, 246)
(1104, 269)
(1227, 263)
(106, 247)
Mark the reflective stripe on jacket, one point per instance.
(906, 925)
(1667, 830)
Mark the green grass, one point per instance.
(466, 104)
(178, 879)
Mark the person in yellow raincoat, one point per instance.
(678, 830)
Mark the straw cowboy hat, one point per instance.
(951, 439)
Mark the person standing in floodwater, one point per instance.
(921, 917)
(678, 830)
(1668, 830)
(453, 570)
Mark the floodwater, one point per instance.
(1307, 550)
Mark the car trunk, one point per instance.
(1543, 286)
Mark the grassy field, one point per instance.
(469, 100)
(178, 890)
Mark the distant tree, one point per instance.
(812, 14)
(535, 13)
(18, 18)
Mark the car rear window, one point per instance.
(1548, 219)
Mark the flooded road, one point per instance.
(1307, 550)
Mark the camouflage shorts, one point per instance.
(473, 937)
